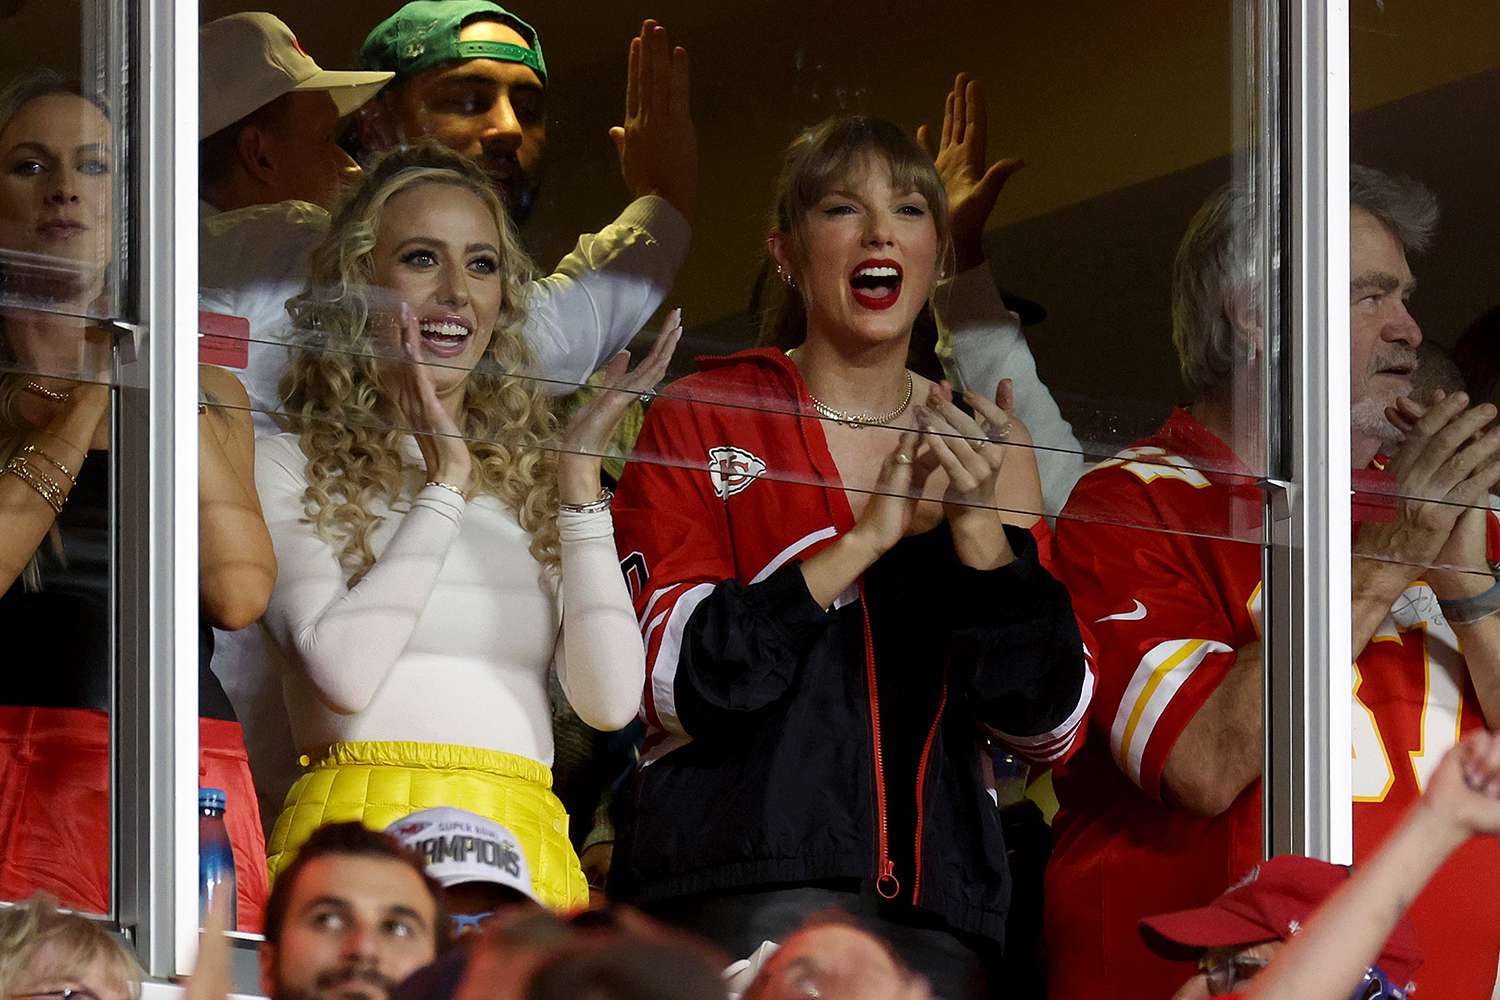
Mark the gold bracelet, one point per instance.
(447, 486)
(32, 449)
(46, 487)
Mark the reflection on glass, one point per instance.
(380, 624)
(55, 493)
(1157, 547)
(1425, 447)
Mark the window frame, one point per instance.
(1302, 102)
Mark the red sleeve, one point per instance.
(1162, 640)
(672, 538)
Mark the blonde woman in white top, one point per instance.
(442, 544)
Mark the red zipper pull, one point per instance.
(887, 884)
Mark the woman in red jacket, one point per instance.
(835, 566)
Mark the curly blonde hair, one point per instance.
(336, 398)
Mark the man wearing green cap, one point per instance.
(472, 75)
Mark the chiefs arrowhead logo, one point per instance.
(732, 470)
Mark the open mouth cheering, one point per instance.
(876, 283)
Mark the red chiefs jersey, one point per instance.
(738, 423)
(1159, 549)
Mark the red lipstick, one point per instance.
(876, 283)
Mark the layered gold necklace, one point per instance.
(861, 420)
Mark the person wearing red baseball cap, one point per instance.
(1234, 937)
(1300, 929)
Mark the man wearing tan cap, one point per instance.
(267, 116)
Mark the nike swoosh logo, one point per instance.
(1134, 615)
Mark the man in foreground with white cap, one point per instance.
(478, 863)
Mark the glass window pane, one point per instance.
(1123, 282)
(65, 278)
(1422, 308)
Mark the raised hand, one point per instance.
(212, 977)
(589, 431)
(959, 156)
(1444, 470)
(1465, 789)
(444, 450)
(972, 453)
(658, 144)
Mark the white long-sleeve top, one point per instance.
(979, 343)
(252, 260)
(449, 636)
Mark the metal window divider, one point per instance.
(155, 745)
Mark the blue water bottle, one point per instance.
(215, 856)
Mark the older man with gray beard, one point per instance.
(1162, 805)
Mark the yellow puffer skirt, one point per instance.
(378, 783)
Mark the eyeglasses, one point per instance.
(1225, 970)
(463, 923)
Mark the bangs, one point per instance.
(831, 154)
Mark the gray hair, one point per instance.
(1404, 206)
(1218, 258)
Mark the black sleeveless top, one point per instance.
(59, 635)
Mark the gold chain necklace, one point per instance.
(862, 420)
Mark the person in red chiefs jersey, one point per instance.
(1158, 548)
(836, 601)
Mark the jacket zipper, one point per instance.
(886, 883)
(916, 881)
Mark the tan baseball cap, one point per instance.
(246, 61)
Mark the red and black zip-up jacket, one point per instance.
(764, 763)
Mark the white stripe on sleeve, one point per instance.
(1157, 679)
(664, 664)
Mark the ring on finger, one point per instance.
(902, 458)
(1000, 433)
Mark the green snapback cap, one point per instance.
(424, 34)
